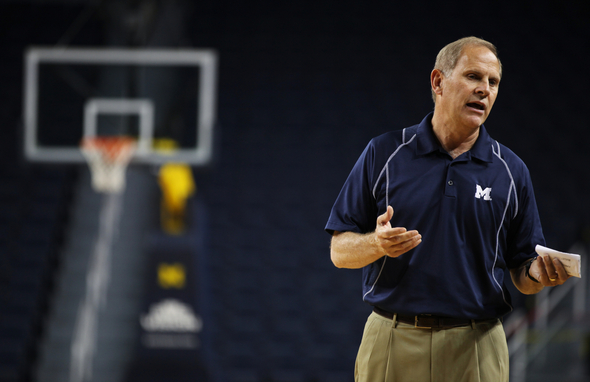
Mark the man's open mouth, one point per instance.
(476, 105)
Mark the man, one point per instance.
(438, 289)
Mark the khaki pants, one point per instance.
(395, 352)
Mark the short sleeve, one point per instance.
(355, 208)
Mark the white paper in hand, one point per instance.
(571, 262)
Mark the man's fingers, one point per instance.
(390, 233)
(550, 267)
(559, 274)
(410, 240)
(544, 274)
(560, 270)
(385, 217)
(403, 237)
(552, 272)
(404, 246)
(389, 212)
(400, 243)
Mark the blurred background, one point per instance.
(245, 290)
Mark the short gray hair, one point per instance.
(447, 58)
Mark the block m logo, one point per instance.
(485, 193)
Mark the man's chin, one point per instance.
(475, 121)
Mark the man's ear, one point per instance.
(436, 81)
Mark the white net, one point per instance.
(108, 158)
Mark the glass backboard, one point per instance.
(165, 98)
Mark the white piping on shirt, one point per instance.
(510, 189)
(386, 169)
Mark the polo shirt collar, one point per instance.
(428, 143)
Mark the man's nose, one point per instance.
(483, 89)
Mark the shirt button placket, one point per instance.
(450, 189)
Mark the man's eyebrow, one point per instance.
(480, 73)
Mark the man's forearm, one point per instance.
(354, 250)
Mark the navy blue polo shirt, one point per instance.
(477, 216)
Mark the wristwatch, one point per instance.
(528, 267)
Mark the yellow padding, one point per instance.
(177, 184)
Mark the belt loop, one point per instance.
(473, 324)
(394, 320)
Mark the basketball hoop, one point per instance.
(108, 158)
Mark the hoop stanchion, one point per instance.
(108, 158)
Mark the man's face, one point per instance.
(469, 92)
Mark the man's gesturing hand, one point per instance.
(394, 241)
